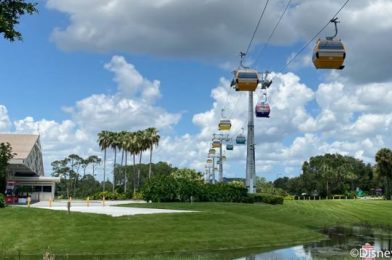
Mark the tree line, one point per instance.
(128, 143)
(79, 181)
(332, 174)
(72, 171)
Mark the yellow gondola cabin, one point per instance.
(245, 79)
(329, 54)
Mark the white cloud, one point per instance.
(99, 112)
(4, 119)
(58, 139)
(130, 82)
(352, 120)
(131, 108)
(215, 30)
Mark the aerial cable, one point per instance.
(314, 37)
(273, 31)
(255, 31)
(243, 54)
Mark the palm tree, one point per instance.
(104, 143)
(123, 148)
(142, 145)
(132, 148)
(153, 138)
(114, 144)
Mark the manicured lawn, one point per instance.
(218, 226)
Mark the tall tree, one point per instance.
(123, 144)
(133, 150)
(6, 154)
(61, 169)
(384, 167)
(153, 140)
(104, 143)
(94, 161)
(10, 13)
(76, 162)
(142, 145)
(114, 144)
(84, 164)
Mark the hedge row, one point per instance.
(171, 189)
(110, 195)
(267, 198)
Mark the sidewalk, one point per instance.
(109, 208)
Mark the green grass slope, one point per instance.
(217, 226)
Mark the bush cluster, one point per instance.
(267, 198)
(171, 189)
(110, 195)
(223, 192)
(2, 201)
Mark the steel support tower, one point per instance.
(250, 149)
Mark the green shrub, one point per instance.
(222, 192)
(109, 195)
(267, 198)
(160, 188)
(170, 188)
(137, 196)
(2, 201)
(351, 194)
(290, 197)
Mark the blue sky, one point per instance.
(124, 65)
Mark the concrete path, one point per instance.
(109, 208)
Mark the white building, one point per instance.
(25, 173)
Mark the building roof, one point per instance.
(37, 179)
(21, 144)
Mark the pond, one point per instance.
(341, 241)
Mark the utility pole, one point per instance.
(250, 149)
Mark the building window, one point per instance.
(47, 188)
(37, 188)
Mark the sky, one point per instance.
(88, 66)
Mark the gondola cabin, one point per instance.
(229, 147)
(224, 125)
(211, 151)
(216, 144)
(329, 54)
(209, 160)
(240, 139)
(246, 79)
(262, 109)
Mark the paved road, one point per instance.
(108, 209)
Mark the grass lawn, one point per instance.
(218, 226)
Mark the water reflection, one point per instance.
(338, 245)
